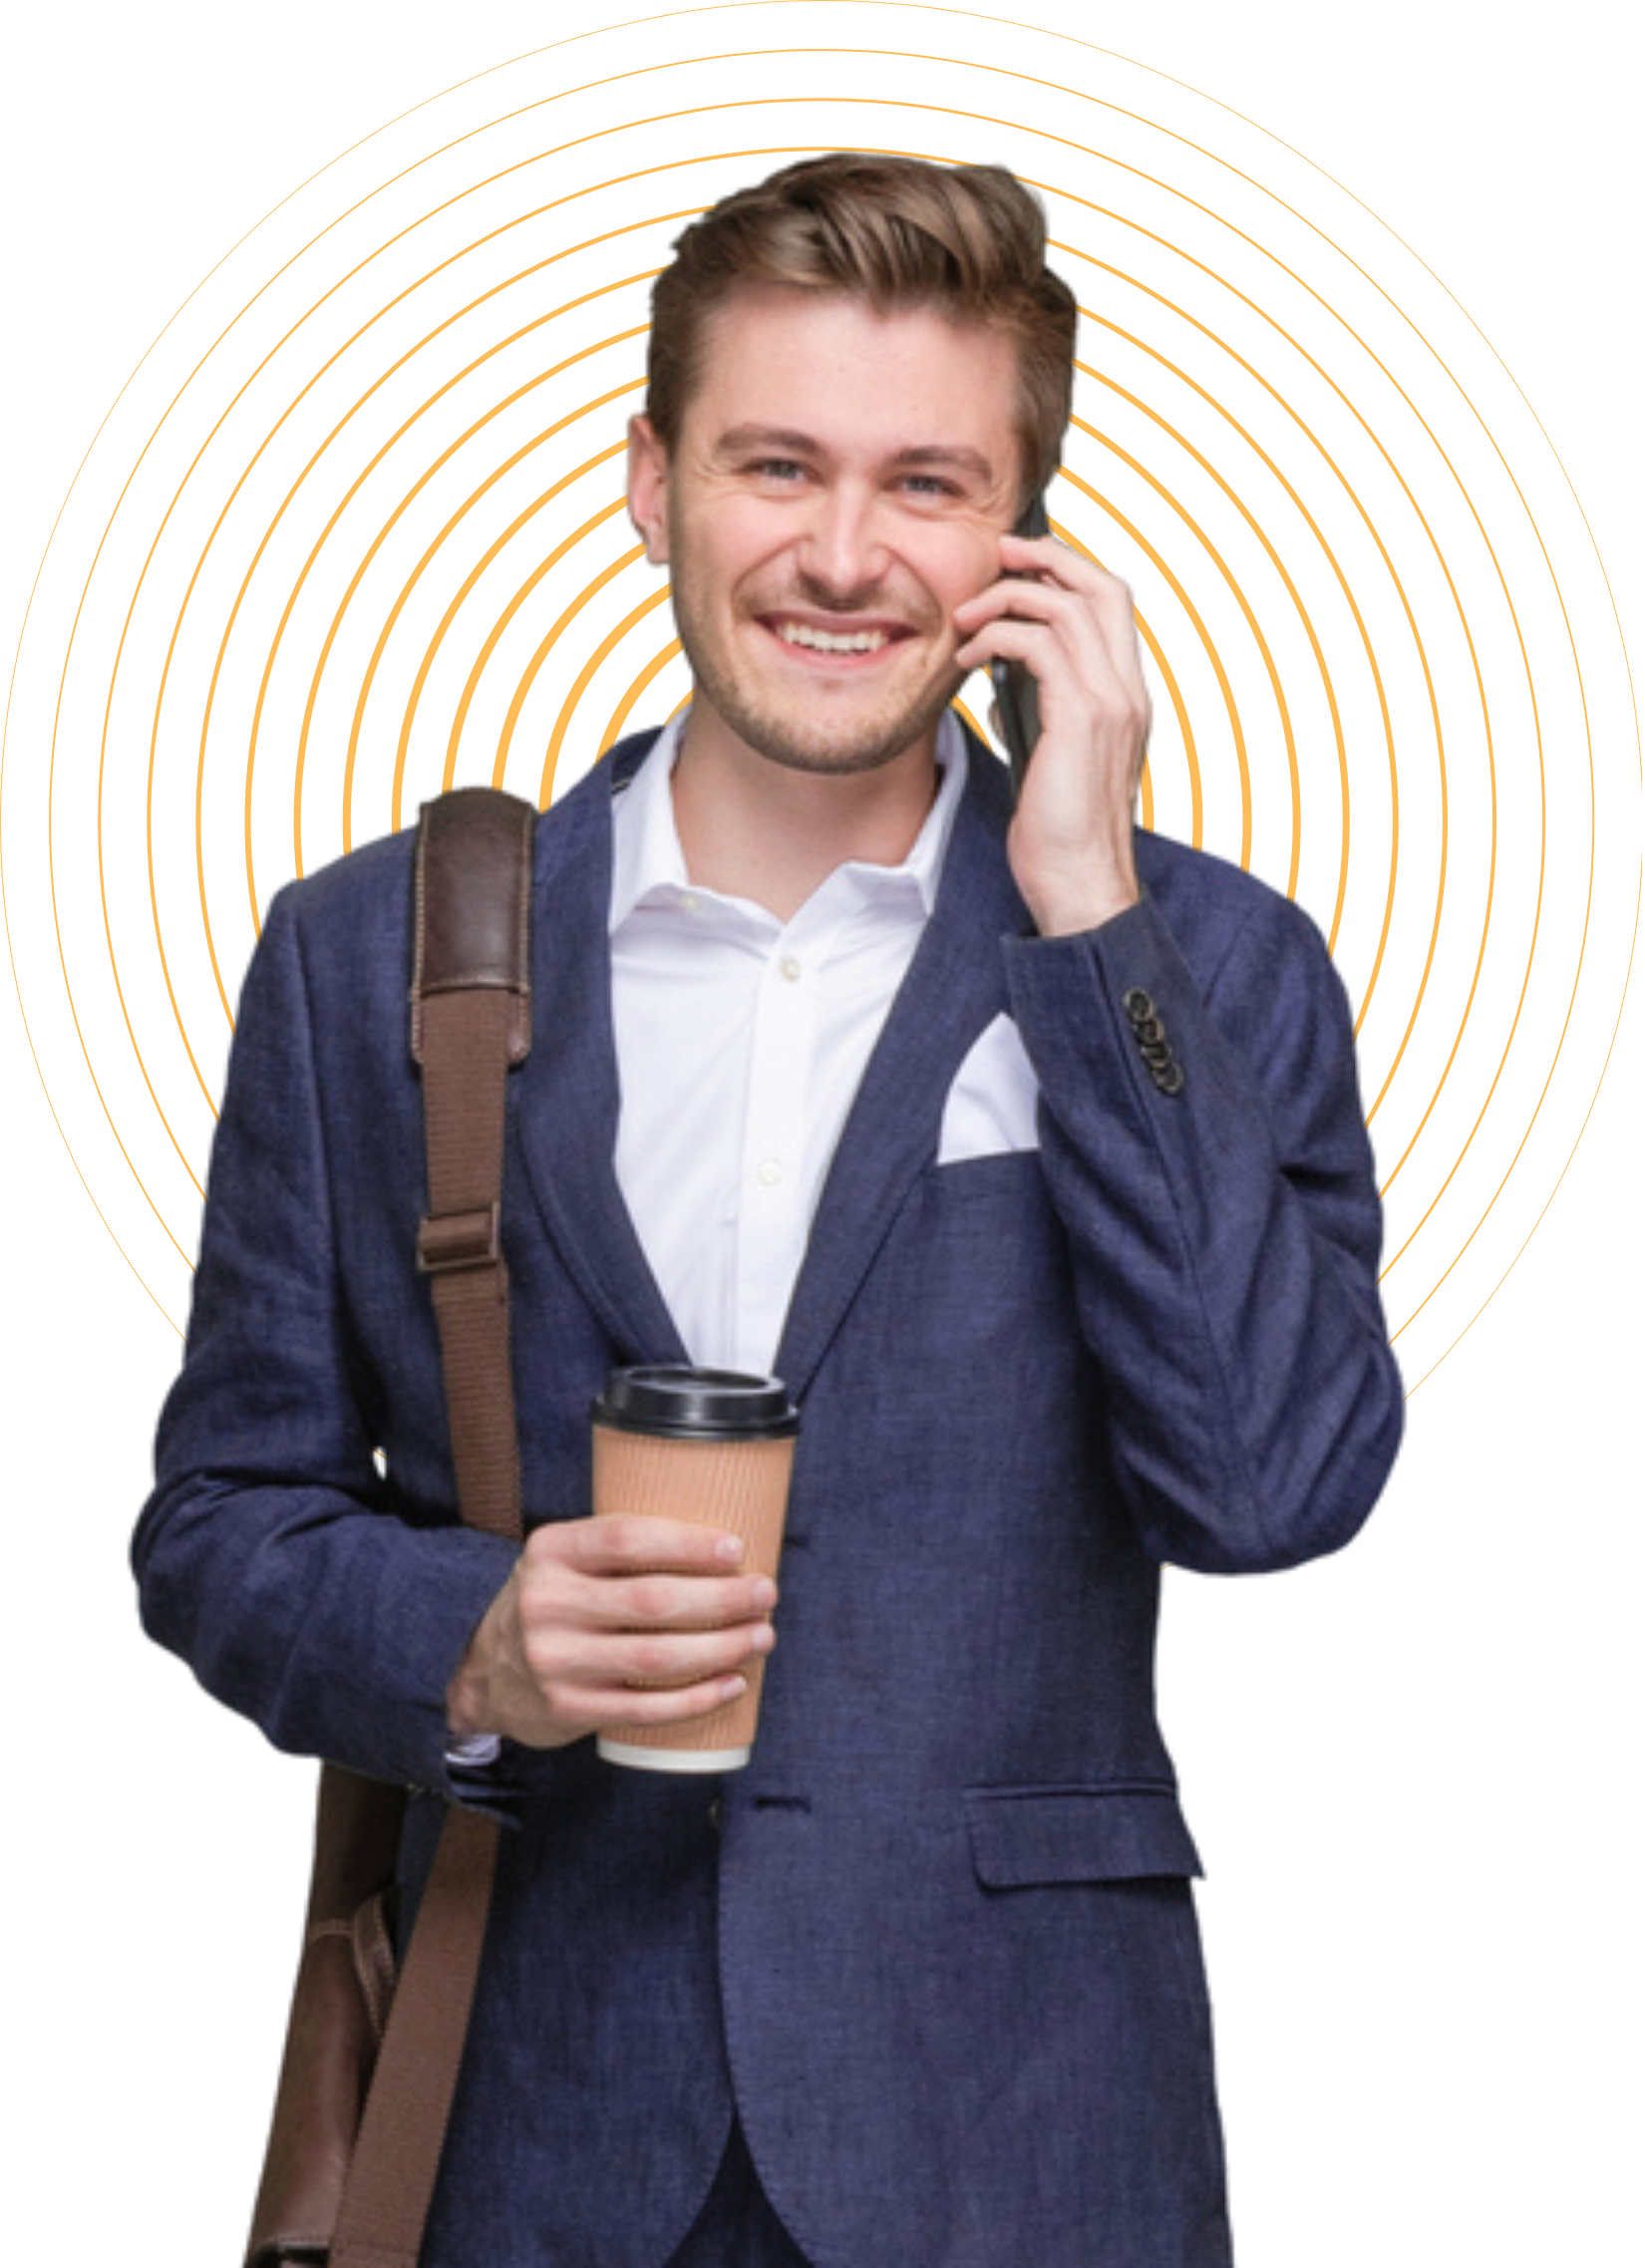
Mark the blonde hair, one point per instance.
(900, 232)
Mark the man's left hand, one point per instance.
(1069, 843)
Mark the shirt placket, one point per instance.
(773, 1224)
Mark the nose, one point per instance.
(842, 555)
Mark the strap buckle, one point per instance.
(449, 1242)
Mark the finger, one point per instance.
(1008, 637)
(1093, 699)
(647, 1679)
(605, 1708)
(1101, 646)
(566, 1664)
(652, 1705)
(1108, 604)
(1058, 562)
(1110, 592)
(626, 1542)
(1064, 657)
(1085, 592)
(562, 1610)
(656, 1601)
(647, 1658)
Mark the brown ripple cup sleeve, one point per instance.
(696, 1444)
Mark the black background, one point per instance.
(1376, 1752)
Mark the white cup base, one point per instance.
(672, 1760)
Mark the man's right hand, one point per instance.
(594, 1604)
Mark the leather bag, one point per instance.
(371, 2060)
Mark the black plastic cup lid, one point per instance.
(696, 1404)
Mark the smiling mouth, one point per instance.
(872, 639)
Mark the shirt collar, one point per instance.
(647, 861)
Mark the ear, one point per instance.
(648, 489)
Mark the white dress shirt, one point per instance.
(741, 1041)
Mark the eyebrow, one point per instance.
(933, 456)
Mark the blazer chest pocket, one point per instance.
(1118, 1831)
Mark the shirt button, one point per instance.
(771, 1172)
(790, 968)
(689, 904)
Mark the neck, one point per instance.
(754, 829)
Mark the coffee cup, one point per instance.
(713, 1445)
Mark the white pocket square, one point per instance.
(993, 1105)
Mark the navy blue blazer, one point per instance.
(938, 1944)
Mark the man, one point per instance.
(1025, 1147)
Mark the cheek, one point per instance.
(962, 566)
(741, 550)
(965, 575)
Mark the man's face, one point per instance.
(839, 482)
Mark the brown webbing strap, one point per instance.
(464, 1060)
(471, 1019)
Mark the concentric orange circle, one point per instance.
(354, 531)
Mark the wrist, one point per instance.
(475, 1683)
(467, 1710)
(1072, 881)
(1069, 903)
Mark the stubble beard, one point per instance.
(796, 741)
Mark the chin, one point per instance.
(835, 759)
(846, 750)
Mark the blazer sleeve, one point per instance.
(273, 1555)
(1206, 1153)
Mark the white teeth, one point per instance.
(831, 641)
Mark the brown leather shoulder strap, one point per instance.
(471, 906)
(471, 1019)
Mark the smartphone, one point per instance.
(1016, 695)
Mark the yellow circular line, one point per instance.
(619, 718)
(1461, 617)
(513, 604)
(620, 715)
(1622, 1003)
(1440, 739)
(532, 667)
(1427, 678)
(403, 504)
(1466, 633)
(493, 552)
(553, 204)
(1296, 597)
(1180, 592)
(567, 711)
(511, 608)
(359, 481)
(1419, 516)
(1479, 681)
(1490, 750)
(1145, 783)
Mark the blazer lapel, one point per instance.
(566, 1104)
(953, 989)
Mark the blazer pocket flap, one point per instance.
(1024, 1835)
